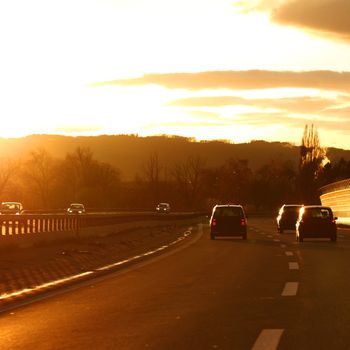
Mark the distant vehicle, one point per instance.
(163, 208)
(316, 221)
(287, 217)
(228, 220)
(11, 208)
(76, 208)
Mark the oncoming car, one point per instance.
(287, 217)
(163, 208)
(316, 221)
(228, 220)
(76, 208)
(11, 208)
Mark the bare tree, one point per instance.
(152, 172)
(8, 171)
(312, 160)
(310, 149)
(39, 175)
(188, 178)
(84, 179)
(234, 181)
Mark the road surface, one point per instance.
(268, 292)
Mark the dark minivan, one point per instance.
(316, 221)
(287, 217)
(228, 220)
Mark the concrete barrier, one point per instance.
(337, 196)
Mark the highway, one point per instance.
(268, 292)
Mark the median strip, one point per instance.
(61, 281)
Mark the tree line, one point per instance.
(42, 182)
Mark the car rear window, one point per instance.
(318, 213)
(228, 211)
(291, 209)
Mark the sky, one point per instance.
(206, 69)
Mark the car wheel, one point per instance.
(212, 236)
(301, 238)
(280, 230)
(244, 236)
(333, 238)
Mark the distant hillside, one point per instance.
(129, 153)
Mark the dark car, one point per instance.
(287, 217)
(316, 221)
(228, 220)
(163, 208)
(76, 208)
(11, 208)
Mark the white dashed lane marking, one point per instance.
(289, 253)
(293, 266)
(290, 289)
(283, 246)
(268, 339)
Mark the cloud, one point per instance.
(241, 80)
(325, 16)
(285, 112)
(292, 104)
(338, 112)
(287, 120)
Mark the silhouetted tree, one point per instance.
(274, 184)
(9, 173)
(84, 179)
(188, 178)
(152, 173)
(39, 175)
(312, 160)
(333, 172)
(234, 181)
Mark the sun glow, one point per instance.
(52, 51)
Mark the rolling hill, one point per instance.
(129, 153)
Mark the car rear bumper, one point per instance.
(228, 233)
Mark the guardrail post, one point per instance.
(77, 226)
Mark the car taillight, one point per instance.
(213, 222)
(242, 222)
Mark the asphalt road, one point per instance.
(267, 292)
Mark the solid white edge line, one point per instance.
(97, 279)
(25, 291)
(290, 289)
(268, 339)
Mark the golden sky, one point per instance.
(208, 69)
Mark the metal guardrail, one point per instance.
(25, 224)
(33, 224)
